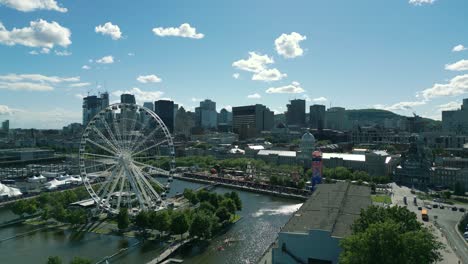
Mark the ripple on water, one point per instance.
(282, 210)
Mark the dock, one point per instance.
(169, 251)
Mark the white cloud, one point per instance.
(85, 67)
(293, 88)
(40, 33)
(41, 51)
(255, 63)
(131, 54)
(82, 84)
(421, 2)
(5, 110)
(269, 75)
(288, 45)
(320, 99)
(37, 78)
(458, 48)
(456, 86)
(449, 106)
(148, 78)
(52, 118)
(27, 86)
(33, 52)
(105, 60)
(140, 95)
(109, 29)
(461, 65)
(235, 75)
(228, 107)
(32, 5)
(254, 96)
(401, 106)
(193, 99)
(62, 53)
(184, 30)
(80, 96)
(45, 51)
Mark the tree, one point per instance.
(229, 204)
(54, 260)
(142, 220)
(79, 260)
(76, 217)
(201, 226)
(160, 221)
(235, 197)
(179, 223)
(223, 214)
(376, 214)
(206, 206)
(190, 195)
(122, 219)
(383, 243)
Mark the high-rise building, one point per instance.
(165, 110)
(456, 121)
(127, 99)
(6, 126)
(249, 121)
(149, 105)
(224, 117)
(92, 105)
(295, 114)
(317, 116)
(207, 117)
(336, 118)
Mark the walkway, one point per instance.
(168, 252)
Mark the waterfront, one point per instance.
(262, 217)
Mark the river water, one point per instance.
(262, 218)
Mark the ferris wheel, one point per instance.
(122, 148)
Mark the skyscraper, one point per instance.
(165, 110)
(295, 114)
(249, 121)
(456, 121)
(317, 116)
(127, 99)
(6, 126)
(336, 118)
(92, 105)
(207, 117)
(149, 105)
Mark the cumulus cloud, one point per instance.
(292, 88)
(320, 99)
(184, 31)
(235, 75)
(85, 67)
(40, 33)
(41, 51)
(456, 86)
(62, 53)
(109, 29)
(33, 82)
(131, 54)
(288, 45)
(269, 75)
(401, 106)
(193, 99)
(81, 84)
(254, 96)
(5, 110)
(140, 95)
(105, 60)
(458, 48)
(32, 5)
(449, 106)
(148, 78)
(421, 2)
(255, 63)
(461, 65)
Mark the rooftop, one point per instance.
(345, 156)
(285, 153)
(332, 207)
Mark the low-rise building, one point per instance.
(448, 177)
(313, 233)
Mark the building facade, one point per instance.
(456, 121)
(165, 110)
(295, 114)
(92, 104)
(336, 118)
(317, 116)
(249, 121)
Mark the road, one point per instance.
(444, 222)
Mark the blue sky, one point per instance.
(397, 55)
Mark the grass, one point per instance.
(381, 199)
(235, 218)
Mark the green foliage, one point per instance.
(223, 214)
(389, 235)
(23, 207)
(77, 217)
(80, 260)
(190, 195)
(201, 226)
(179, 223)
(142, 220)
(446, 194)
(54, 260)
(235, 197)
(160, 220)
(229, 204)
(122, 219)
(207, 207)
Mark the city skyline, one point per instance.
(403, 56)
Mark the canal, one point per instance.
(262, 218)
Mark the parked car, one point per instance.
(435, 206)
(428, 206)
(461, 209)
(454, 208)
(419, 208)
(441, 206)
